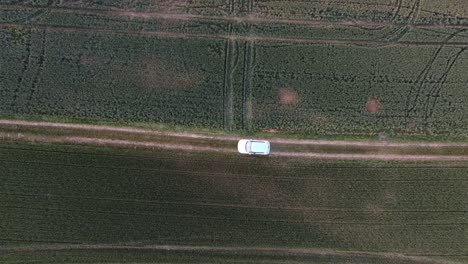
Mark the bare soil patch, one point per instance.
(373, 105)
(288, 97)
(196, 145)
(270, 130)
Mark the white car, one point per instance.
(253, 147)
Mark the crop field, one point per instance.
(114, 76)
(71, 195)
(315, 67)
(311, 68)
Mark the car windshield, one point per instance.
(258, 146)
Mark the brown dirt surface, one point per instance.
(288, 97)
(195, 143)
(237, 37)
(270, 130)
(373, 105)
(175, 10)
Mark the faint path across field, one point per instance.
(238, 37)
(281, 147)
(284, 253)
(383, 156)
(110, 129)
(240, 19)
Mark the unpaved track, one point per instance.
(286, 253)
(239, 37)
(22, 123)
(229, 140)
(370, 156)
(110, 129)
(110, 142)
(250, 19)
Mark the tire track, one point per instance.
(113, 142)
(30, 18)
(26, 63)
(400, 32)
(238, 37)
(200, 148)
(107, 128)
(245, 19)
(273, 252)
(396, 10)
(40, 65)
(412, 101)
(249, 51)
(387, 157)
(434, 92)
(149, 144)
(231, 4)
(230, 64)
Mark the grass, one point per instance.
(72, 194)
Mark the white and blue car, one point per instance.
(253, 147)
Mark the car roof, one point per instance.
(260, 146)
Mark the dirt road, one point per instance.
(239, 19)
(238, 37)
(69, 133)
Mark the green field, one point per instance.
(61, 195)
(393, 69)
(318, 68)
